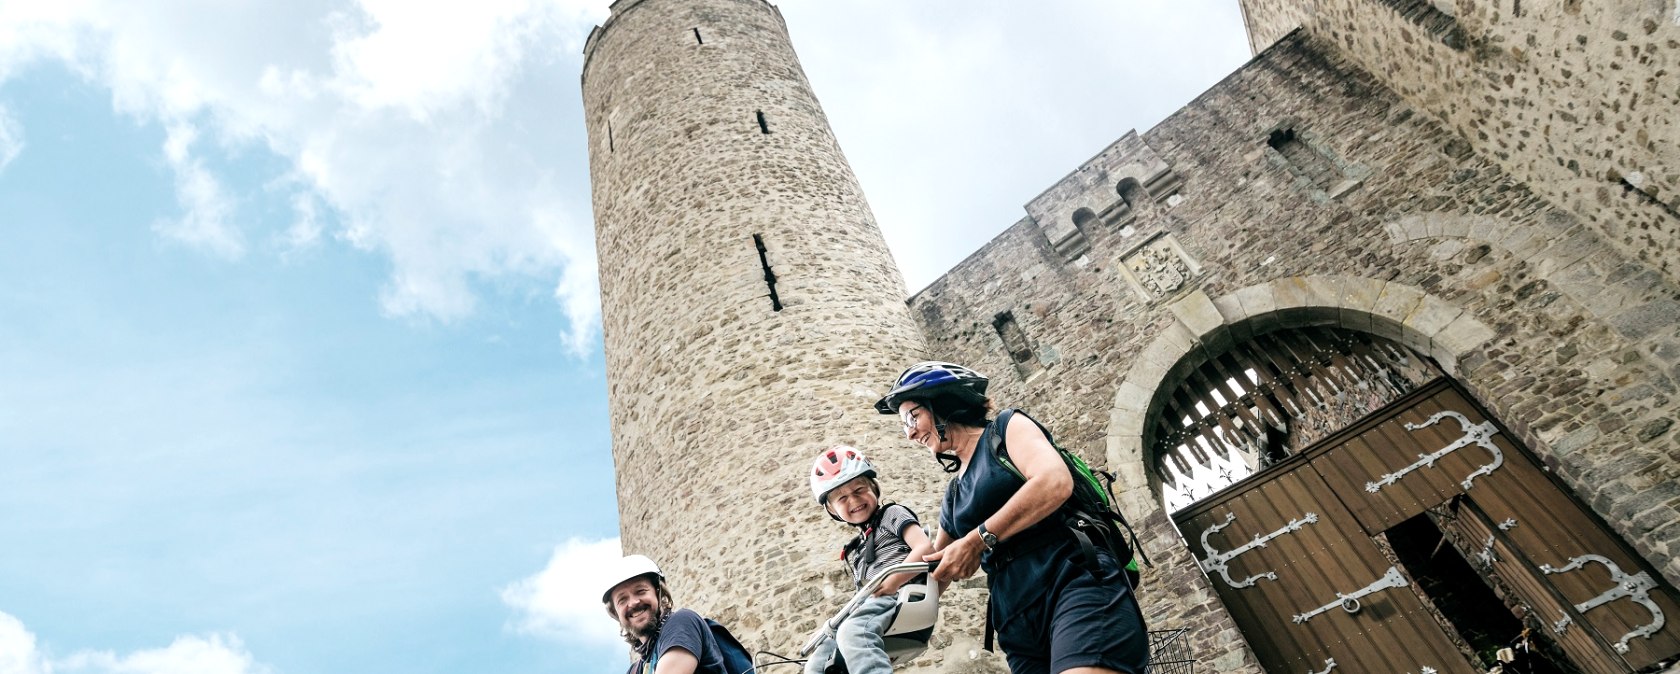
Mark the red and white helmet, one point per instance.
(836, 466)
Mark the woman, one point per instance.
(1053, 614)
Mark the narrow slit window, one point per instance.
(1303, 160)
(610, 146)
(1636, 186)
(1015, 342)
(769, 275)
(697, 38)
(763, 125)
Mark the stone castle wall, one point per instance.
(1402, 231)
(1579, 99)
(719, 402)
(1300, 190)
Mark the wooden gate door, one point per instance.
(1291, 553)
(1436, 450)
(1305, 584)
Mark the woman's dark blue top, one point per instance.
(984, 486)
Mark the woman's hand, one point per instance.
(959, 560)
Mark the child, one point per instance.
(844, 483)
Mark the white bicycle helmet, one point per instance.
(632, 566)
(836, 466)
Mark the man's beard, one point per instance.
(649, 630)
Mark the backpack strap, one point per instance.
(1077, 522)
(850, 547)
(1001, 428)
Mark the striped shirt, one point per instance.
(887, 538)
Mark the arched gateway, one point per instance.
(1356, 511)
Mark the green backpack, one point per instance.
(1089, 512)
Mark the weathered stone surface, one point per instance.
(1464, 283)
(704, 372)
(1548, 109)
(1655, 429)
(1459, 213)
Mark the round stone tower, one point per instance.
(751, 310)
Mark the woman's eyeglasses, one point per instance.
(910, 419)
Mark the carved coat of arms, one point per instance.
(1159, 268)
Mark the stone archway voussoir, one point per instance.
(1402, 313)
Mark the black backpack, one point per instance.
(1089, 512)
(736, 659)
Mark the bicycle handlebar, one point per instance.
(826, 631)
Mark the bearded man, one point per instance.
(663, 639)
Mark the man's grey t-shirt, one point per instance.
(685, 629)
(890, 547)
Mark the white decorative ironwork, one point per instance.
(1486, 556)
(1350, 602)
(1563, 622)
(1635, 587)
(1474, 434)
(1509, 524)
(1215, 561)
(1329, 664)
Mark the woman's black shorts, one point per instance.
(1080, 620)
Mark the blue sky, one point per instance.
(300, 366)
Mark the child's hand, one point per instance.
(888, 589)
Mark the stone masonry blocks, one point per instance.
(698, 361)
(1443, 171)
(1271, 257)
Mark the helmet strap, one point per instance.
(948, 462)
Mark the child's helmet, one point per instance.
(926, 378)
(836, 466)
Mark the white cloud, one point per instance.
(190, 654)
(216, 654)
(427, 56)
(563, 601)
(427, 130)
(11, 138)
(305, 231)
(207, 223)
(17, 649)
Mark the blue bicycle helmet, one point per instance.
(926, 378)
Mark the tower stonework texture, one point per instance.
(751, 311)
(1577, 98)
(1398, 206)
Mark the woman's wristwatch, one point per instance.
(987, 538)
